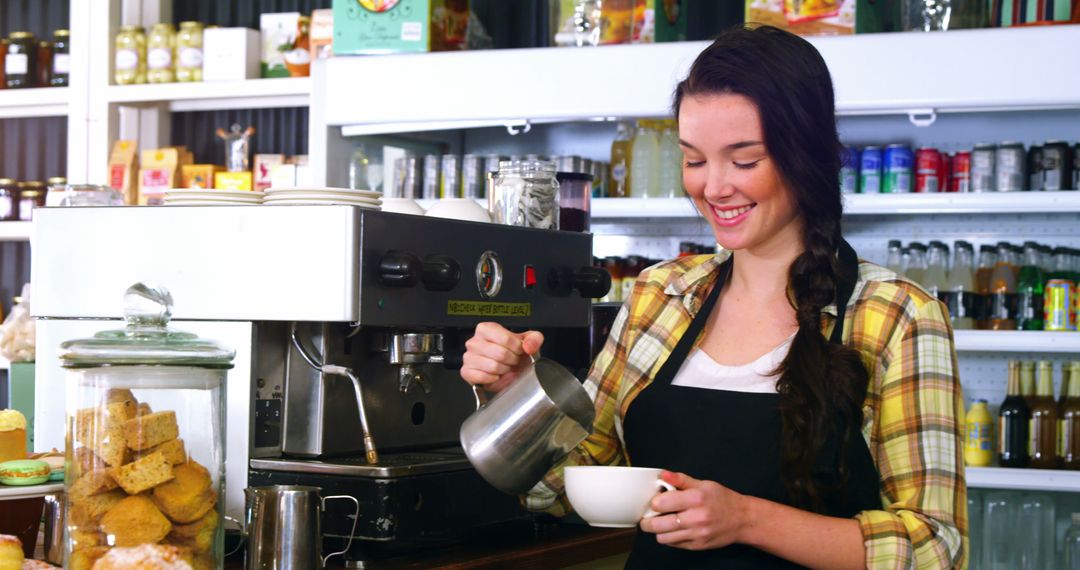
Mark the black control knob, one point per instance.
(399, 269)
(440, 273)
(590, 282)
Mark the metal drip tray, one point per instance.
(390, 464)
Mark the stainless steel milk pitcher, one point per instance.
(283, 527)
(516, 437)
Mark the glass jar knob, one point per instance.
(147, 304)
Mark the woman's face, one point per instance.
(732, 179)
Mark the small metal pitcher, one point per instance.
(516, 437)
(283, 527)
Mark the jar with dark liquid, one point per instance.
(61, 59)
(43, 71)
(20, 61)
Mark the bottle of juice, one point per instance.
(645, 161)
(916, 267)
(1003, 291)
(979, 443)
(1070, 422)
(621, 160)
(1029, 291)
(987, 260)
(671, 158)
(1043, 430)
(959, 292)
(937, 264)
(895, 260)
(1013, 423)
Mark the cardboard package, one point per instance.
(380, 26)
(159, 172)
(264, 169)
(123, 166)
(198, 175)
(820, 18)
(230, 54)
(233, 180)
(322, 34)
(285, 45)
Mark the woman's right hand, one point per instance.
(494, 356)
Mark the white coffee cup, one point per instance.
(613, 496)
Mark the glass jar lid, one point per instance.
(147, 339)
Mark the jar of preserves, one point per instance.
(4, 43)
(160, 57)
(145, 418)
(9, 200)
(525, 193)
(43, 72)
(31, 195)
(20, 61)
(130, 56)
(61, 59)
(189, 52)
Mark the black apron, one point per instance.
(733, 438)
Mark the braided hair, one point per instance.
(821, 385)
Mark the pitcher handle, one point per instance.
(482, 397)
(352, 533)
(243, 534)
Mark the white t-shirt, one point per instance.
(701, 371)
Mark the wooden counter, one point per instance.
(519, 546)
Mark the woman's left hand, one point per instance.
(698, 515)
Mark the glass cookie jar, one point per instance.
(145, 436)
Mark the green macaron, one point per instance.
(24, 472)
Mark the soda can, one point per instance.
(898, 166)
(849, 170)
(982, 167)
(870, 162)
(945, 177)
(961, 172)
(406, 182)
(599, 174)
(451, 177)
(1056, 165)
(472, 176)
(927, 170)
(1059, 312)
(1036, 177)
(1009, 171)
(430, 189)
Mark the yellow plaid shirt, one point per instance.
(913, 413)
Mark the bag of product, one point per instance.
(17, 333)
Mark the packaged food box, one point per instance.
(395, 26)
(198, 175)
(264, 169)
(819, 17)
(233, 180)
(285, 45)
(230, 54)
(123, 166)
(157, 174)
(322, 34)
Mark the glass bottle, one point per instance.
(1013, 423)
(936, 267)
(160, 54)
(1072, 544)
(1042, 433)
(130, 64)
(968, 14)
(358, 169)
(61, 59)
(20, 63)
(1029, 291)
(1003, 291)
(1070, 422)
(44, 64)
(987, 260)
(645, 161)
(895, 261)
(671, 158)
(1027, 383)
(189, 52)
(959, 292)
(621, 162)
(146, 404)
(916, 266)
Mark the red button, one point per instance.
(530, 277)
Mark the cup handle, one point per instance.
(243, 534)
(352, 533)
(661, 485)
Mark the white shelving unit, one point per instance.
(212, 96)
(1017, 342)
(36, 102)
(1023, 479)
(15, 231)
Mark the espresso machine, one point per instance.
(349, 326)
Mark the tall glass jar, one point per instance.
(61, 59)
(145, 432)
(189, 52)
(43, 71)
(161, 54)
(130, 64)
(31, 195)
(525, 193)
(20, 61)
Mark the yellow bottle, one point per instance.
(979, 442)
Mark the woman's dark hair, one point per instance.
(821, 386)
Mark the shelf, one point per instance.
(1016, 341)
(575, 84)
(36, 102)
(1022, 479)
(218, 95)
(15, 231)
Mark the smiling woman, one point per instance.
(803, 404)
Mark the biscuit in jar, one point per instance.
(133, 521)
(188, 496)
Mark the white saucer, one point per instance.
(326, 191)
(8, 493)
(361, 205)
(209, 203)
(214, 193)
(178, 199)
